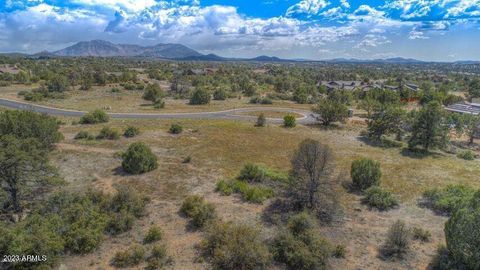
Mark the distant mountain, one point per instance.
(208, 57)
(396, 60)
(102, 48)
(264, 58)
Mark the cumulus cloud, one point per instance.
(315, 25)
(309, 7)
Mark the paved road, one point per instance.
(308, 117)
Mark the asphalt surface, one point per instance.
(233, 114)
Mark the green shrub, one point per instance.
(252, 173)
(130, 257)
(340, 251)
(289, 121)
(131, 131)
(159, 251)
(154, 234)
(261, 120)
(224, 187)
(153, 93)
(250, 193)
(108, 133)
(115, 90)
(301, 223)
(26, 124)
(462, 233)
(198, 210)
(259, 100)
(365, 173)
(397, 242)
(448, 199)
(120, 222)
(257, 194)
(421, 234)
(175, 129)
(300, 246)
(257, 173)
(232, 246)
(129, 200)
(467, 155)
(379, 198)
(444, 260)
(95, 117)
(36, 235)
(139, 159)
(82, 135)
(187, 159)
(200, 97)
(159, 104)
(220, 94)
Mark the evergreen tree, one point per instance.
(429, 128)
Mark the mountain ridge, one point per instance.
(173, 51)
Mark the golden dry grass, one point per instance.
(131, 101)
(226, 145)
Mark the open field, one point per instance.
(219, 149)
(131, 101)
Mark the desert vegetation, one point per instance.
(375, 178)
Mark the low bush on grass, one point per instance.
(299, 246)
(250, 193)
(129, 257)
(220, 94)
(340, 251)
(448, 199)
(131, 131)
(421, 234)
(224, 187)
(198, 210)
(235, 246)
(257, 173)
(261, 120)
(377, 197)
(398, 240)
(84, 135)
(139, 159)
(154, 234)
(365, 173)
(95, 117)
(175, 129)
(108, 133)
(187, 159)
(289, 121)
(120, 222)
(158, 258)
(259, 100)
(467, 155)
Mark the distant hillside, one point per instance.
(102, 48)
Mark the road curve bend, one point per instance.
(233, 114)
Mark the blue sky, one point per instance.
(439, 30)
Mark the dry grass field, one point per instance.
(219, 149)
(131, 101)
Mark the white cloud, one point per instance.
(131, 5)
(310, 7)
(345, 3)
(372, 40)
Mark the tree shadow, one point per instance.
(419, 153)
(381, 143)
(118, 171)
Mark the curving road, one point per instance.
(233, 114)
